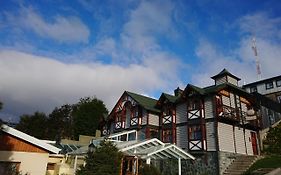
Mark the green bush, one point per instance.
(149, 170)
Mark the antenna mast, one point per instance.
(258, 67)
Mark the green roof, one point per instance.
(215, 88)
(223, 73)
(171, 98)
(196, 88)
(146, 102)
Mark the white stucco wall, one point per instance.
(31, 163)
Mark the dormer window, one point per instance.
(269, 85)
(195, 104)
(135, 112)
(167, 111)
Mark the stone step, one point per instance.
(240, 165)
(234, 173)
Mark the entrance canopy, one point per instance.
(154, 149)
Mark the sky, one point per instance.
(56, 52)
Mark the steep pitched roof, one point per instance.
(165, 96)
(216, 88)
(223, 73)
(30, 139)
(195, 88)
(169, 97)
(146, 102)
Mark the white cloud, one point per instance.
(63, 29)
(241, 60)
(261, 24)
(137, 63)
(30, 83)
(146, 23)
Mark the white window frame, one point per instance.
(269, 85)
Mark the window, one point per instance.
(132, 136)
(192, 105)
(167, 111)
(278, 83)
(135, 112)
(253, 89)
(153, 133)
(167, 136)
(51, 166)
(195, 132)
(269, 85)
(118, 117)
(9, 167)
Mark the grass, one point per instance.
(268, 162)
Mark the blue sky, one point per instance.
(55, 52)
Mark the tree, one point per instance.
(34, 125)
(273, 140)
(60, 123)
(1, 105)
(105, 160)
(87, 114)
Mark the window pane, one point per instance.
(269, 85)
(195, 132)
(168, 136)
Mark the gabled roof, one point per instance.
(216, 88)
(171, 98)
(224, 72)
(165, 96)
(146, 102)
(201, 91)
(30, 139)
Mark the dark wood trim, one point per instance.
(181, 124)
(234, 139)
(216, 124)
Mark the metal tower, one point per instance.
(258, 67)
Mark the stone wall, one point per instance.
(225, 159)
(204, 164)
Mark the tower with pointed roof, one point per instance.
(225, 77)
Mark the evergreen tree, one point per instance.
(87, 114)
(60, 123)
(273, 140)
(149, 170)
(105, 160)
(34, 125)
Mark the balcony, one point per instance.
(227, 112)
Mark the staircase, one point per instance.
(240, 165)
